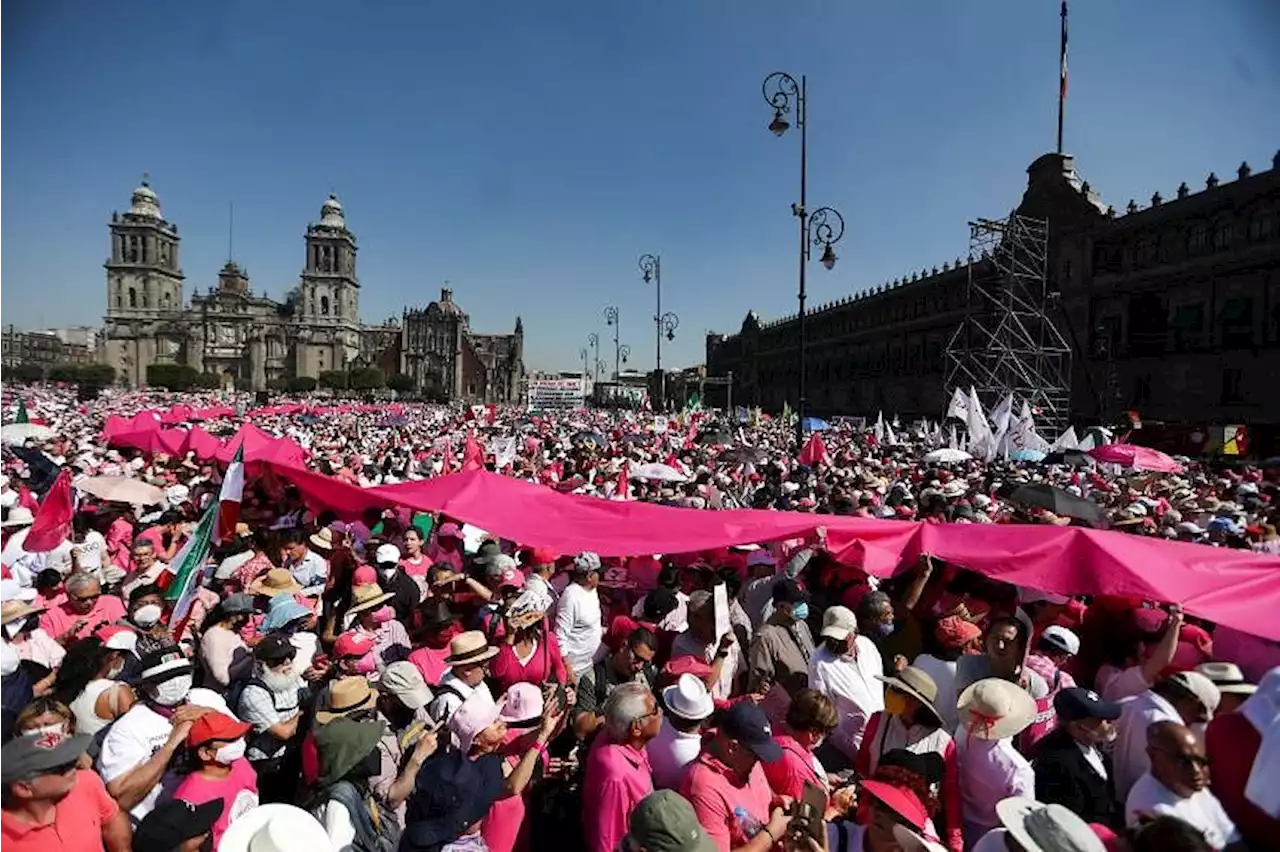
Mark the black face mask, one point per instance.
(370, 766)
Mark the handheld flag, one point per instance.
(186, 569)
(53, 518)
(230, 495)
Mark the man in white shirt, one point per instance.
(468, 660)
(579, 628)
(688, 705)
(1178, 785)
(308, 568)
(1186, 698)
(847, 669)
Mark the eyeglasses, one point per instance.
(85, 598)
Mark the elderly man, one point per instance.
(848, 670)
(147, 567)
(579, 627)
(1187, 698)
(468, 661)
(1178, 785)
(271, 701)
(618, 775)
(86, 609)
(1072, 768)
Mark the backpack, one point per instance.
(376, 828)
(263, 741)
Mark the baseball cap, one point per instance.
(788, 591)
(118, 637)
(238, 603)
(164, 664)
(540, 556)
(746, 723)
(386, 553)
(28, 757)
(216, 727)
(1077, 703)
(173, 823)
(403, 680)
(352, 645)
(1062, 639)
(838, 622)
(664, 821)
(274, 648)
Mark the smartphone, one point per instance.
(809, 811)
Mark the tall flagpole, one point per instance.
(1062, 74)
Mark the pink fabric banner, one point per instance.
(261, 447)
(1238, 588)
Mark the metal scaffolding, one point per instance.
(1008, 341)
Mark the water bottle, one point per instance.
(750, 825)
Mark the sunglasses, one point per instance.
(1186, 761)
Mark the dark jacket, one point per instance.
(1064, 777)
(407, 595)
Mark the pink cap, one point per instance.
(364, 576)
(511, 578)
(475, 714)
(522, 702)
(352, 645)
(448, 531)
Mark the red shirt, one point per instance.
(1233, 742)
(788, 776)
(77, 821)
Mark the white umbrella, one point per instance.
(121, 489)
(660, 472)
(17, 434)
(947, 455)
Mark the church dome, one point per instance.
(331, 213)
(144, 201)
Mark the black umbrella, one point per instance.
(714, 437)
(1056, 500)
(742, 455)
(589, 438)
(1073, 458)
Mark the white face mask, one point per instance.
(13, 628)
(231, 752)
(173, 691)
(9, 659)
(46, 729)
(147, 616)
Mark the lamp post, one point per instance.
(613, 318)
(583, 353)
(664, 324)
(823, 226)
(593, 340)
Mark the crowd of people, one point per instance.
(399, 680)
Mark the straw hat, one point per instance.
(995, 709)
(366, 597)
(277, 581)
(19, 516)
(346, 696)
(14, 610)
(469, 648)
(322, 539)
(918, 684)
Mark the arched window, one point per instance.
(133, 297)
(324, 305)
(1197, 238)
(1222, 234)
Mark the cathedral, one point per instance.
(253, 342)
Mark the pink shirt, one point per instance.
(788, 776)
(430, 661)
(238, 792)
(505, 829)
(544, 666)
(106, 610)
(715, 794)
(120, 543)
(617, 778)
(416, 569)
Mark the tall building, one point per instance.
(1172, 310)
(447, 361)
(250, 340)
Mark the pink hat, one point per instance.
(521, 705)
(364, 576)
(475, 714)
(511, 578)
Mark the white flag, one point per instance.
(1002, 413)
(1066, 441)
(504, 451)
(959, 407)
(982, 443)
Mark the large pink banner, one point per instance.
(1239, 588)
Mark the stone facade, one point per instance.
(249, 340)
(447, 361)
(1172, 310)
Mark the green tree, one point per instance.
(97, 374)
(208, 381)
(333, 379)
(24, 373)
(64, 373)
(175, 377)
(366, 378)
(300, 384)
(402, 383)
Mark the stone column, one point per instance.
(258, 363)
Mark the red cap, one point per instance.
(511, 578)
(216, 727)
(118, 637)
(540, 556)
(353, 645)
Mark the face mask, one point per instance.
(383, 615)
(13, 628)
(885, 629)
(9, 659)
(387, 573)
(367, 664)
(173, 691)
(60, 730)
(800, 611)
(895, 703)
(147, 616)
(231, 752)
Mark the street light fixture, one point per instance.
(651, 270)
(593, 340)
(822, 227)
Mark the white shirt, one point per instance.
(449, 697)
(669, 753)
(688, 645)
(1201, 809)
(89, 552)
(1093, 757)
(1125, 683)
(990, 771)
(1129, 758)
(851, 684)
(227, 567)
(310, 571)
(137, 736)
(23, 566)
(579, 629)
(943, 673)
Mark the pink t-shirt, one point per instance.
(415, 569)
(544, 666)
(617, 778)
(106, 610)
(731, 813)
(238, 792)
(506, 829)
(430, 661)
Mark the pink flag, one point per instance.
(814, 452)
(472, 457)
(449, 460)
(623, 489)
(53, 518)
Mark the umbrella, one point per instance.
(742, 455)
(815, 424)
(1073, 458)
(121, 489)
(1027, 455)
(1056, 500)
(656, 471)
(947, 455)
(589, 438)
(17, 434)
(714, 437)
(1136, 457)
(635, 439)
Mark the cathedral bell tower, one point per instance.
(330, 289)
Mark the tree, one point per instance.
(98, 375)
(65, 373)
(175, 377)
(300, 384)
(24, 373)
(401, 383)
(366, 378)
(333, 379)
(208, 381)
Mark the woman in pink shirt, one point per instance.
(438, 629)
(414, 563)
(506, 829)
(810, 718)
(529, 654)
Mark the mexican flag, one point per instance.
(229, 497)
(187, 568)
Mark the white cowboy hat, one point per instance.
(995, 709)
(19, 516)
(688, 698)
(1047, 828)
(275, 828)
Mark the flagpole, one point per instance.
(1062, 73)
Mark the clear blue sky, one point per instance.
(528, 152)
